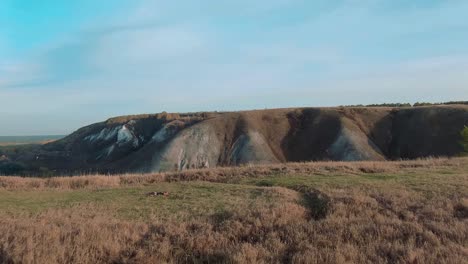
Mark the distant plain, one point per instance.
(23, 140)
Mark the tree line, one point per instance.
(408, 104)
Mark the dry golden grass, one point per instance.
(228, 174)
(364, 212)
(361, 228)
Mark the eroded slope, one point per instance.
(165, 142)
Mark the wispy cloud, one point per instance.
(159, 55)
(146, 47)
(21, 74)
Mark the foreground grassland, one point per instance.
(327, 212)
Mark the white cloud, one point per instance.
(164, 56)
(145, 46)
(14, 74)
(289, 53)
(3, 47)
(151, 10)
(433, 79)
(352, 25)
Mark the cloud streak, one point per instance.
(231, 55)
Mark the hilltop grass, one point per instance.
(328, 212)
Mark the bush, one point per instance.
(422, 104)
(390, 105)
(456, 102)
(381, 105)
(11, 168)
(464, 141)
(443, 103)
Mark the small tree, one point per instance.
(464, 141)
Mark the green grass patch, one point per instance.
(427, 182)
(186, 200)
(189, 200)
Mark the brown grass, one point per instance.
(229, 174)
(361, 223)
(360, 228)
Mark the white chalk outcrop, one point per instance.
(195, 147)
(126, 135)
(104, 135)
(251, 148)
(354, 145)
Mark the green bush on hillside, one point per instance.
(11, 168)
(464, 141)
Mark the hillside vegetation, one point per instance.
(464, 139)
(320, 212)
(174, 142)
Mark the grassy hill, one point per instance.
(322, 212)
(171, 142)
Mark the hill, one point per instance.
(165, 142)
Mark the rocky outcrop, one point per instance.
(195, 147)
(165, 142)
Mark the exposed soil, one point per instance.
(163, 142)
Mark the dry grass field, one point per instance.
(322, 212)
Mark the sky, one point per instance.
(66, 64)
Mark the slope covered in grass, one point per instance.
(328, 212)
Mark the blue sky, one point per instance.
(65, 64)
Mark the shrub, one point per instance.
(443, 103)
(464, 141)
(390, 105)
(422, 104)
(11, 168)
